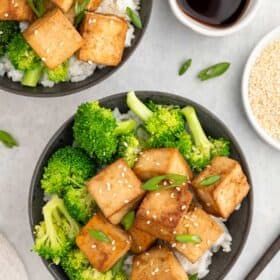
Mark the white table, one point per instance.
(153, 66)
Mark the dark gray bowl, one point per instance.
(99, 75)
(238, 224)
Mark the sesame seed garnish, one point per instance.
(178, 189)
(147, 254)
(126, 201)
(173, 245)
(120, 166)
(44, 59)
(154, 217)
(170, 219)
(139, 247)
(130, 186)
(157, 164)
(6, 15)
(148, 212)
(114, 248)
(137, 263)
(195, 224)
(172, 195)
(157, 194)
(113, 242)
(183, 207)
(93, 246)
(90, 62)
(148, 222)
(108, 185)
(174, 232)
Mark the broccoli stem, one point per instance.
(198, 134)
(125, 127)
(138, 107)
(32, 76)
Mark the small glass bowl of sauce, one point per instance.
(214, 17)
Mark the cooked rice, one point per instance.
(78, 70)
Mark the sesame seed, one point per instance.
(93, 246)
(148, 222)
(137, 263)
(195, 224)
(157, 194)
(172, 195)
(178, 189)
(147, 254)
(120, 166)
(130, 186)
(90, 62)
(139, 247)
(126, 201)
(122, 174)
(148, 212)
(124, 169)
(108, 185)
(183, 207)
(113, 242)
(43, 59)
(6, 15)
(173, 245)
(36, 32)
(114, 248)
(157, 164)
(154, 217)
(174, 232)
(170, 219)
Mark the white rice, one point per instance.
(78, 70)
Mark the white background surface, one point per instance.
(153, 66)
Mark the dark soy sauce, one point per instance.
(217, 13)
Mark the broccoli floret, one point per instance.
(129, 148)
(162, 123)
(79, 204)
(96, 131)
(56, 233)
(25, 59)
(58, 74)
(121, 276)
(67, 167)
(204, 149)
(77, 267)
(8, 29)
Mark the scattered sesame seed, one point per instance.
(172, 195)
(148, 222)
(173, 245)
(170, 219)
(90, 62)
(108, 185)
(178, 189)
(183, 207)
(148, 212)
(6, 15)
(122, 174)
(137, 263)
(93, 246)
(154, 217)
(113, 242)
(114, 248)
(157, 164)
(126, 201)
(36, 32)
(130, 186)
(44, 59)
(157, 194)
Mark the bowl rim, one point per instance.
(212, 31)
(106, 99)
(22, 91)
(268, 38)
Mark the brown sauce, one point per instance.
(219, 13)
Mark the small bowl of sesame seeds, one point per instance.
(261, 88)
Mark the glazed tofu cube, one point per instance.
(18, 10)
(53, 38)
(104, 39)
(155, 162)
(161, 211)
(116, 189)
(226, 194)
(64, 5)
(197, 222)
(157, 264)
(141, 241)
(102, 255)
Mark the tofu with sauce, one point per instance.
(18, 10)
(156, 162)
(161, 211)
(157, 264)
(103, 255)
(53, 38)
(104, 39)
(64, 5)
(197, 222)
(227, 193)
(141, 241)
(116, 190)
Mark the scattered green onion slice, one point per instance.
(118, 266)
(128, 220)
(213, 71)
(193, 277)
(37, 6)
(208, 181)
(184, 67)
(7, 139)
(188, 238)
(135, 19)
(80, 11)
(156, 183)
(99, 235)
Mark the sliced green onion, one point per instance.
(99, 235)
(135, 19)
(118, 266)
(184, 67)
(80, 11)
(128, 220)
(213, 71)
(37, 6)
(7, 139)
(193, 277)
(208, 181)
(188, 238)
(157, 183)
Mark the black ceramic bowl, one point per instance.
(239, 222)
(99, 75)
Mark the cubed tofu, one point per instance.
(104, 38)
(157, 264)
(161, 211)
(103, 255)
(155, 162)
(15, 10)
(64, 5)
(116, 190)
(141, 241)
(197, 222)
(53, 38)
(226, 194)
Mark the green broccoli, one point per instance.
(204, 149)
(121, 276)
(66, 168)
(77, 267)
(58, 74)
(96, 131)
(129, 148)
(79, 204)
(25, 59)
(56, 233)
(8, 29)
